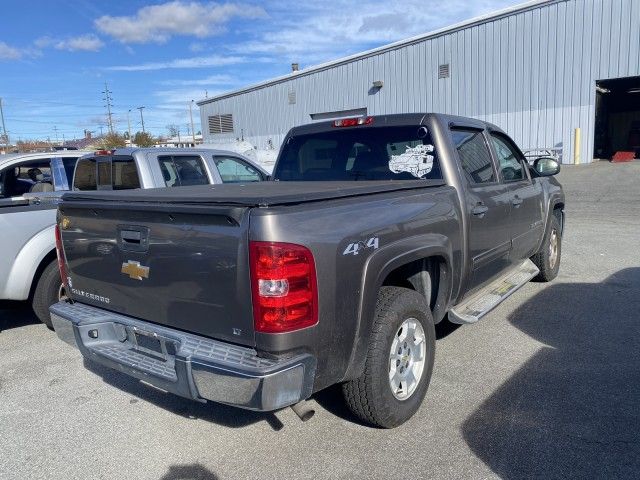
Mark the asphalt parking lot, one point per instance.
(547, 385)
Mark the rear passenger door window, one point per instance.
(235, 170)
(474, 156)
(183, 170)
(509, 159)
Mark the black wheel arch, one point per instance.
(48, 258)
(435, 250)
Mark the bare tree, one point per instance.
(173, 130)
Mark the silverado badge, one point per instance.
(135, 270)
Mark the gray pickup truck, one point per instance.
(373, 230)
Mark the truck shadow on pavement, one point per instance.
(193, 471)
(212, 412)
(16, 314)
(573, 409)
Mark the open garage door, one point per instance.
(617, 125)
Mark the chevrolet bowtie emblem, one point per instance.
(135, 270)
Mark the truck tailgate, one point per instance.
(180, 266)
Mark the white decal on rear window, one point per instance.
(415, 160)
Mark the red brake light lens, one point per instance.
(104, 152)
(62, 265)
(353, 122)
(284, 287)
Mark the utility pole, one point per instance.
(4, 128)
(193, 132)
(101, 130)
(141, 118)
(55, 131)
(107, 98)
(129, 128)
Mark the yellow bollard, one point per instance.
(576, 147)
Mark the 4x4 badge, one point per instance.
(135, 270)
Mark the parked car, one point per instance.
(30, 186)
(128, 168)
(373, 231)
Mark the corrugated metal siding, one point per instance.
(532, 73)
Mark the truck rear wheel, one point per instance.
(46, 293)
(399, 360)
(547, 259)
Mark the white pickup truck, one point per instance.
(31, 185)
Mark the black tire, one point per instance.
(544, 258)
(46, 293)
(370, 396)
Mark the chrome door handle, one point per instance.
(516, 201)
(479, 210)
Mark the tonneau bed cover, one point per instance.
(254, 194)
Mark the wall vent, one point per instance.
(292, 98)
(443, 71)
(222, 123)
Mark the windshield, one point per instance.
(360, 153)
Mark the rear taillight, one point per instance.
(283, 285)
(352, 122)
(62, 264)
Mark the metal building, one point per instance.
(539, 70)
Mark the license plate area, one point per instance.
(150, 343)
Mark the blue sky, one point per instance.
(56, 55)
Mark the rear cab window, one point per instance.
(106, 173)
(183, 170)
(360, 154)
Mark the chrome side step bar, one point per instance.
(477, 306)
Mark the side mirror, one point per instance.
(546, 166)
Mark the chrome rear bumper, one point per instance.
(182, 363)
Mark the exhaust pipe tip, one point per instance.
(303, 410)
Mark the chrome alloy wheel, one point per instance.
(406, 359)
(553, 248)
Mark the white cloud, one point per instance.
(196, 47)
(180, 98)
(193, 62)
(219, 79)
(158, 23)
(9, 53)
(85, 43)
(311, 33)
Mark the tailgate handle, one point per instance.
(129, 236)
(133, 238)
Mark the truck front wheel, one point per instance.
(399, 360)
(548, 257)
(46, 293)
